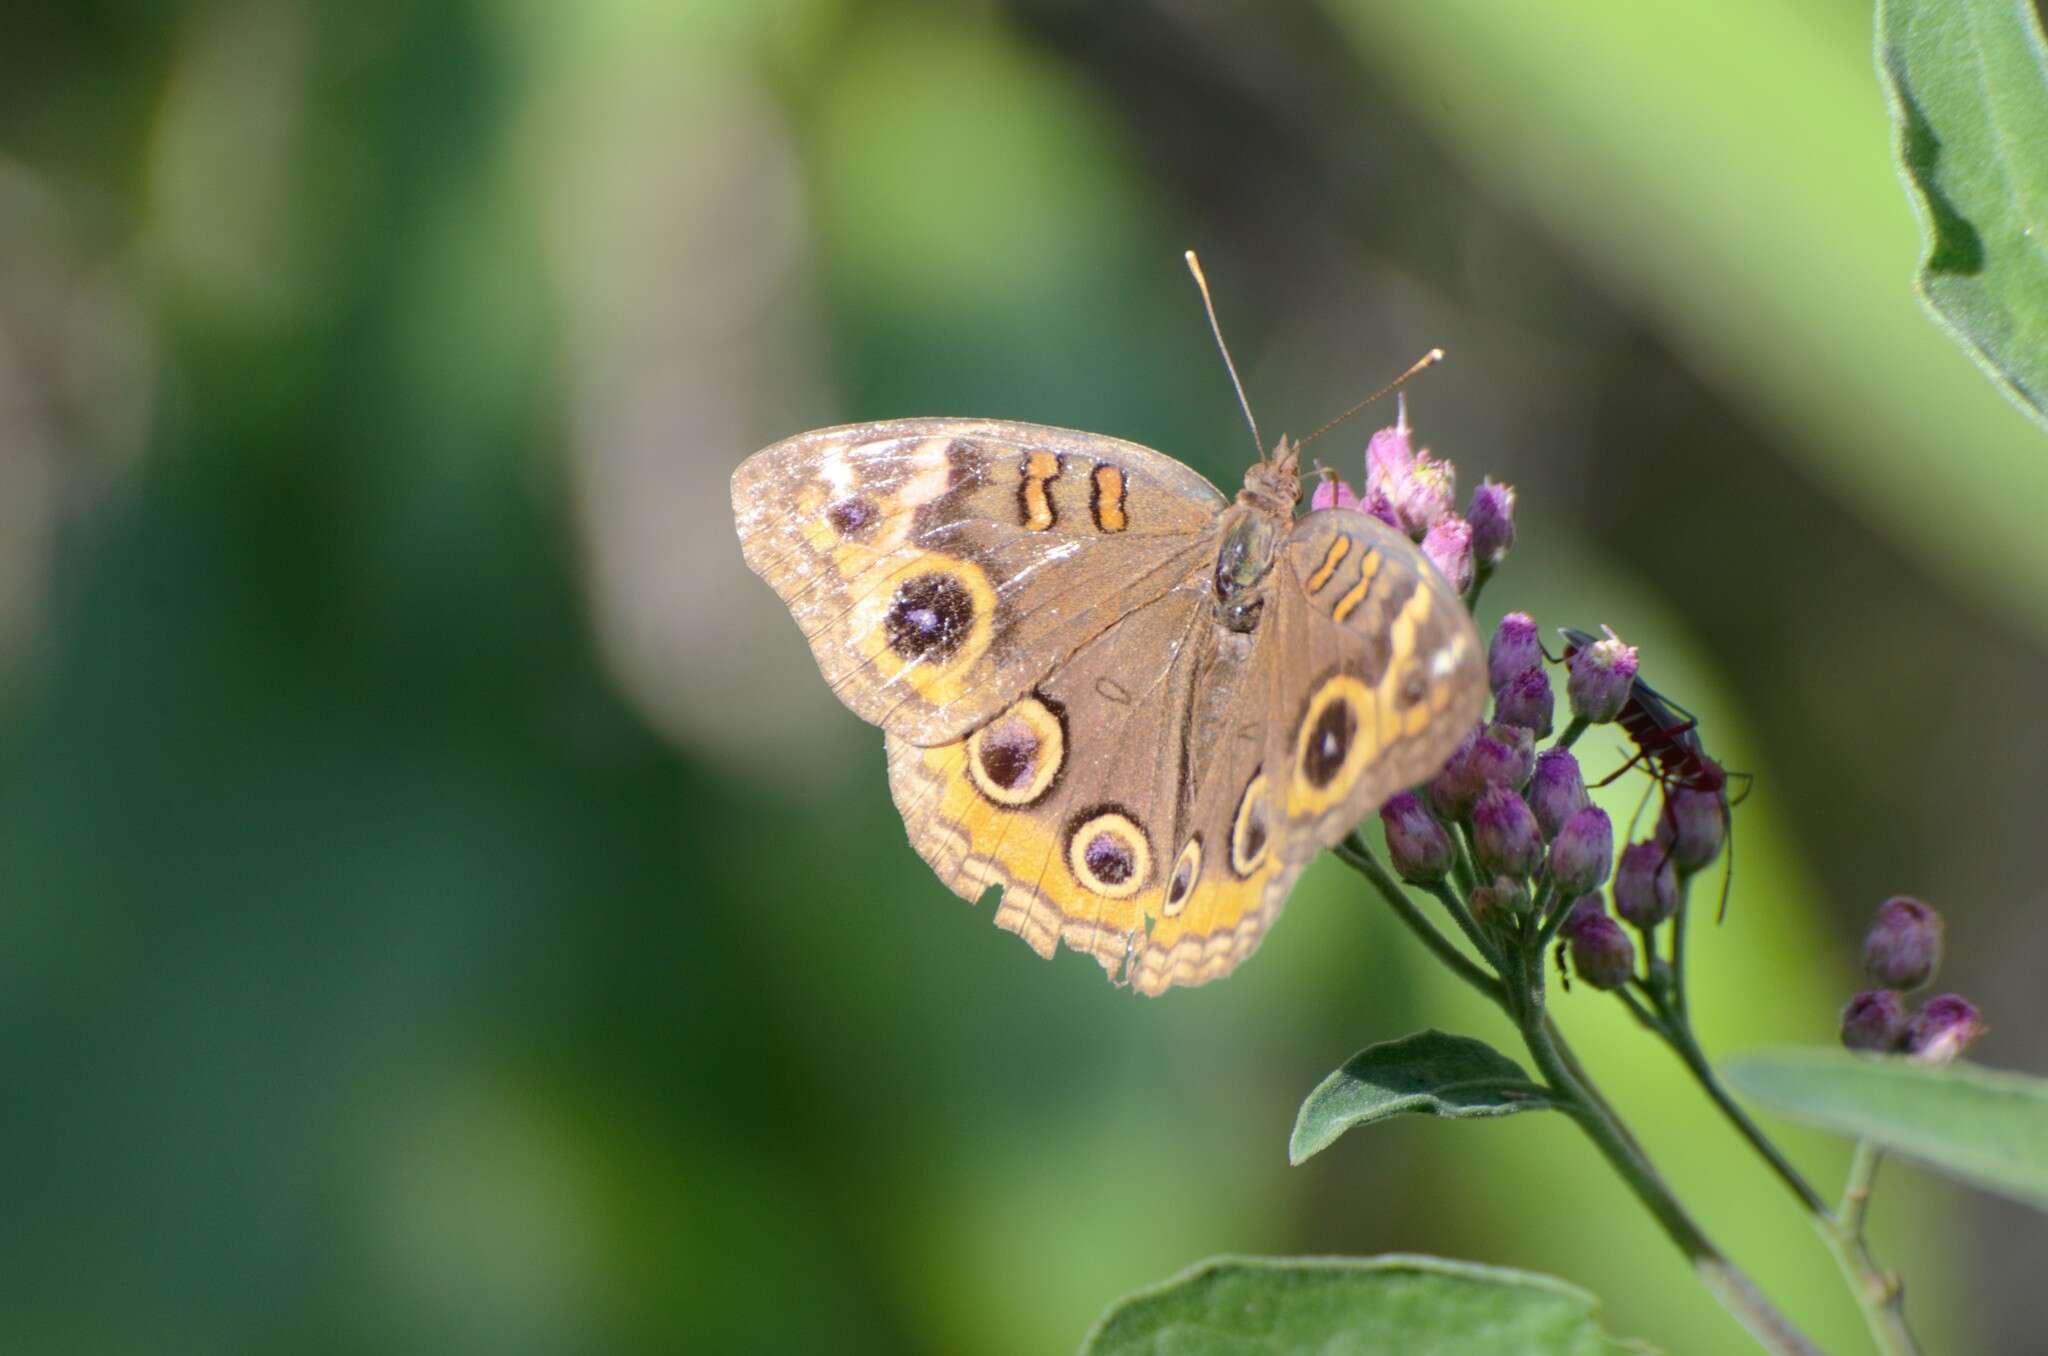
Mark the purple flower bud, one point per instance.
(1942, 1029)
(1517, 760)
(1874, 1020)
(1377, 505)
(1492, 516)
(1645, 884)
(1427, 496)
(1448, 544)
(1584, 852)
(1505, 839)
(1389, 457)
(1557, 791)
(1452, 790)
(1601, 676)
(1601, 952)
(1692, 824)
(1330, 492)
(1416, 842)
(1527, 701)
(1904, 944)
(1514, 647)
(1494, 906)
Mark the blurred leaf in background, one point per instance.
(443, 908)
(1968, 84)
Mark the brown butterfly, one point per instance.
(1135, 706)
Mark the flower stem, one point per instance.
(1735, 1291)
(1355, 854)
(1571, 733)
(1878, 1292)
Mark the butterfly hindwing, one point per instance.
(1121, 806)
(1067, 798)
(940, 567)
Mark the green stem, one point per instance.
(1480, 574)
(1680, 1038)
(1571, 734)
(1878, 1291)
(1463, 873)
(1467, 924)
(1678, 930)
(1355, 854)
(1735, 1291)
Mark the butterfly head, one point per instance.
(1272, 485)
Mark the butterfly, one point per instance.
(1125, 701)
(1134, 706)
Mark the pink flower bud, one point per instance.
(1416, 842)
(1377, 505)
(1903, 945)
(1448, 544)
(1492, 515)
(1645, 885)
(1427, 496)
(1330, 492)
(1583, 854)
(1874, 1020)
(1505, 839)
(1514, 647)
(1602, 675)
(1943, 1029)
(1527, 701)
(1389, 457)
(1557, 790)
(1692, 824)
(1601, 952)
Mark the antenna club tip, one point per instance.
(1435, 355)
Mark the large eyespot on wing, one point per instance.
(1386, 673)
(940, 568)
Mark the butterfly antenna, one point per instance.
(1427, 360)
(1195, 267)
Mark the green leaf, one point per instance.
(1351, 1306)
(1978, 1124)
(1430, 1072)
(1968, 86)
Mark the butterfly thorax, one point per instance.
(1253, 530)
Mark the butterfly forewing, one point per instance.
(1384, 674)
(941, 567)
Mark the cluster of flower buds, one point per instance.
(1900, 953)
(1416, 493)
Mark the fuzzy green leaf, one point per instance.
(1968, 85)
(1352, 1306)
(1981, 1125)
(1431, 1073)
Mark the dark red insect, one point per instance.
(1666, 736)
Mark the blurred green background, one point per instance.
(441, 908)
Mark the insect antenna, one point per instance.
(1195, 267)
(1427, 360)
